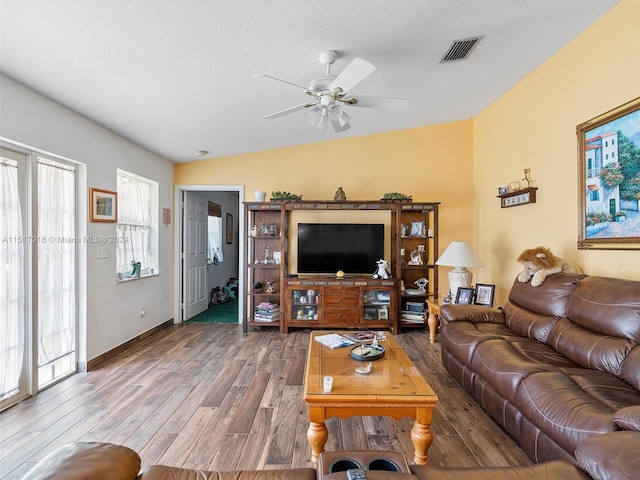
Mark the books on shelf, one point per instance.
(267, 312)
(413, 317)
(334, 340)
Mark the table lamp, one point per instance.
(459, 256)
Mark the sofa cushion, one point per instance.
(527, 323)
(162, 472)
(590, 349)
(610, 306)
(541, 353)
(504, 367)
(614, 456)
(562, 410)
(87, 461)
(607, 389)
(550, 298)
(463, 338)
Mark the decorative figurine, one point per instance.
(365, 370)
(271, 286)
(404, 229)
(382, 272)
(340, 196)
(422, 284)
(416, 258)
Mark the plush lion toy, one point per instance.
(538, 263)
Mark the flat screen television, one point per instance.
(325, 248)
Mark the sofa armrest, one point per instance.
(471, 313)
(628, 418)
(87, 461)
(612, 456)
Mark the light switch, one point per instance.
(103, 251)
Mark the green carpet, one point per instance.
(219, 313)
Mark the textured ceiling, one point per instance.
(176, 76)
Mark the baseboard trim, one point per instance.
(100, 359)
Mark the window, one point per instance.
(214, 237)
(137, 227)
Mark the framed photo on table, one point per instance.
(484, 294)
(464, 296)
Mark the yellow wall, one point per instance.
(433, 164)
(461, 164)
(534, 125)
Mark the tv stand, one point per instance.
(347, 302)
(276, 297)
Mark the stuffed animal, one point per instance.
(382, 270)
(538, 263)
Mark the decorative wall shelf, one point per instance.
(518, 197)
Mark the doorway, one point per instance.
(229, 197)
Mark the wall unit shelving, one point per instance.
(348, 302)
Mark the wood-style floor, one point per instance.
(207, 396)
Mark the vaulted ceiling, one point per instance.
(176, 77)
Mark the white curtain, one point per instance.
(11, 280)
(134, 223)
(56, 260)
(214, 238)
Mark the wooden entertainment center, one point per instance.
(276, 297)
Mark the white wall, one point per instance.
(111, 314)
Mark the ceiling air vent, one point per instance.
(460, 49)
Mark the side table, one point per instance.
(433, 310)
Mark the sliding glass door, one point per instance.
(38, 294)
(57, 310)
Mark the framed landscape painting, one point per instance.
(609, 179)
(103, 205)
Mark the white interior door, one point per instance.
(195, 298)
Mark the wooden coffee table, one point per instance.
(394, 388)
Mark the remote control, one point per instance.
(356, 474)
(328, 384)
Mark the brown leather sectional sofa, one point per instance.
(614, 456)
(557, 365)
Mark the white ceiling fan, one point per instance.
(330, 93)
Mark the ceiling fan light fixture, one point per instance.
(312, 115)
(323, 123)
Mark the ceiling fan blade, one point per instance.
(382, 103)
(353, 74)
(289, 110)
(306, 90)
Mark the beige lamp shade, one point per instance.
(460, 256)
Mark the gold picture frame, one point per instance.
(609, 179)
(103, 205)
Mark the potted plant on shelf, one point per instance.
(396, 197)
(285, 196)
